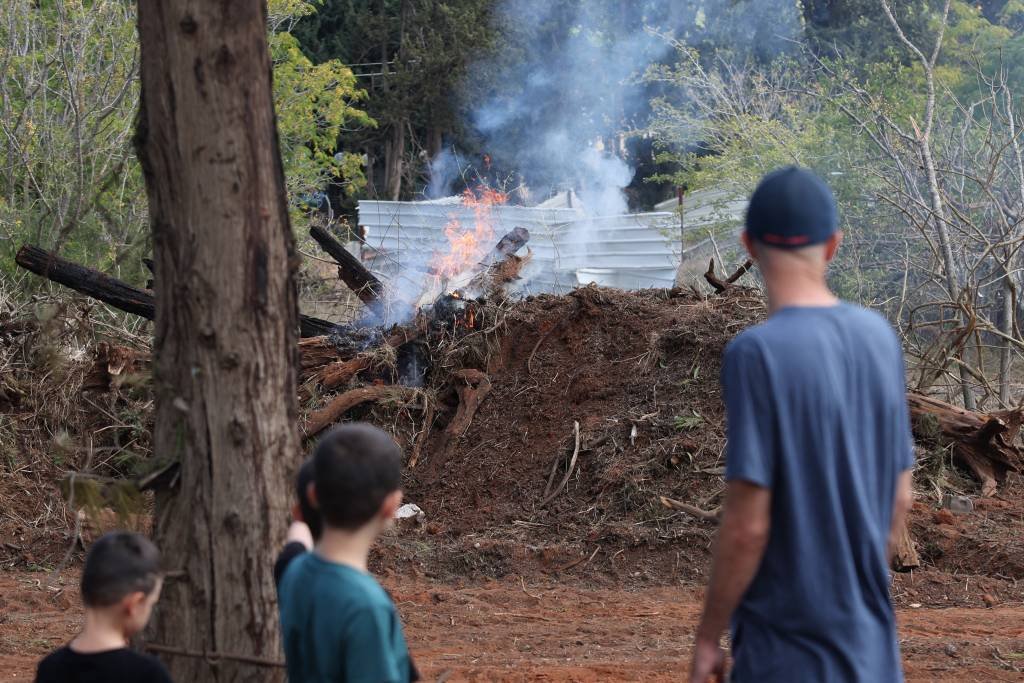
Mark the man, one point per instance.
(818, 465)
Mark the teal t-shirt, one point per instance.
(339, 626)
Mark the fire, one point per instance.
(468, 245)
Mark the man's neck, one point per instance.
(100, 634)
(792, 292)
(350, 548)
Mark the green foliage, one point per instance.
(68, 97)
(314, 103)
(413, 57)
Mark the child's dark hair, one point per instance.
(118, 564)
(310, 515)
(355, 467)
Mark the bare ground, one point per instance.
(512, 630)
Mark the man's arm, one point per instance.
(742, 537)
(902, 502)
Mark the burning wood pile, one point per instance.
(388, 346)
(410, 362)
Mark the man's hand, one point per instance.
(708, 662)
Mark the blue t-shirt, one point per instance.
(817, 412)
(339, 626)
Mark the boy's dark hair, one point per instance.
(355, 467)
(118, 564)
(310, 515)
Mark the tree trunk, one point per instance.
(1006, 346)
(225, 341)
(394, 151)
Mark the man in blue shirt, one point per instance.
(818, 465)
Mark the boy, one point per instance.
(337, 622)
(120, 584)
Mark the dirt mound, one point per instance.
(602, 404)
(638, 373)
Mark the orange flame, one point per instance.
(467, 246)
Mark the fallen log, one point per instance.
(365, 284)
(117, 293)
(984, 442)
(341, 404)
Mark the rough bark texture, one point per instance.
(225, 346)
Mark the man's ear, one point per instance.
(390, 505)
(297, 513)
(311, 495)
(832, 245)
(748, 244)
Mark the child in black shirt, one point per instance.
(120, 584)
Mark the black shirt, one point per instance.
(111, 666)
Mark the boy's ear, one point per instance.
(132, 602)
(297, 513)
(311, 495)
(390, 505)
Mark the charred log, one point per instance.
(365, 284)
(118, 293)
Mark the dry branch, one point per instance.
(720, 285)
(693, 510)
(550, 493)
(333, 411)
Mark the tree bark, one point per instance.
(225, 340)
(394, 153)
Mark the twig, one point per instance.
(520, 615)
(214, 656)
(550, 494)
(693, 510)
(421, 440)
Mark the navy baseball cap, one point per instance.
(792, 208)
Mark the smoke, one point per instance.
(564, 86)
(445, 169)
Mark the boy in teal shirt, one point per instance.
(337, 623)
